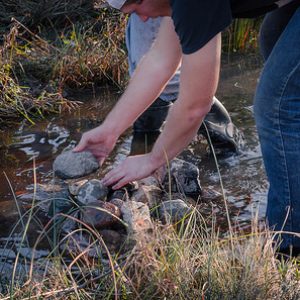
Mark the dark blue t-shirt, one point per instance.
(198, 21)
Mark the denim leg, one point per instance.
(277, 114)
(272, 27)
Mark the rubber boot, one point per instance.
(147, 127)
(223, 134)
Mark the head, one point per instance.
(144, 8)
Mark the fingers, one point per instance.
(112, 177)
(116, 178)
(101, 160)
(121, 183)
(81, 146)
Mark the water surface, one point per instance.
(243, 176)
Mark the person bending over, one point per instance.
(191, 35)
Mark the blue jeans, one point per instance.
(277, 114)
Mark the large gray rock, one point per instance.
(92, 191)
(184, 178)
(173, 211)
(74, 164)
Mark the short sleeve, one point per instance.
(198, 21)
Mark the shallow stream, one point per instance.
(37, 145)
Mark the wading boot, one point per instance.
(147, 127)
(224, 135)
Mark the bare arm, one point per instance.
(199, 79)
(149, 79)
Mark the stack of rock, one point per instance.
(117, 215)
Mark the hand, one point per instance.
(98, 141)
(132, 168)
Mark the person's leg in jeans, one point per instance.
(277, 114)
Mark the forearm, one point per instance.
(145, 86)
(149, 79)
(199, 78)
(175, 137)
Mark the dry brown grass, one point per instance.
(194, 263)
(79, 55)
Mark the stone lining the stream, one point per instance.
(128, 211)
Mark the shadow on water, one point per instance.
(243, 175)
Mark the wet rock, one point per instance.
(100, 214)
(45, 193)
(74, 165)
(8, 215)
(184, 178)
(92, 191)
(137, 217)
(150, 195)
(61, 204)
(74, 187)
(173, 211)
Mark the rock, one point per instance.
(8, 271)
(49, 198)
(150, 195)
(69, 224)
(131, 186)
(125, 192)
(30, 253)
(45, 193)
(209, 194)
(92, 191)
(6, 254)
(78, 243)
(150, 180)
(119, 194)
(60, 204)
(184, 178)
(117, 202)
(113, 239)
(100, 214)
(137, 217)
(74, 187)
(173, 211)
(74, 164)
(82, 242)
